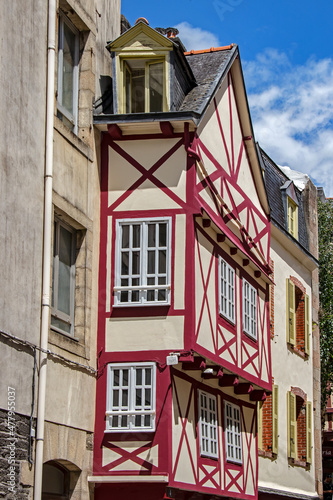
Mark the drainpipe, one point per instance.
(47, 238)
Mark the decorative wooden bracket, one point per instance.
(115, 131)
(220, 237)
(198, 363)
(243, 389)
(258, 395)
(228, 381)
(166, 129)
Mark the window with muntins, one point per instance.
(143, 85)
(68, 72)
(208, 425)
(143, 262)
(63, 278)
(233, 436)
(227, 290)
(249, 310)
(131, 397)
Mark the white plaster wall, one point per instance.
(289, 369)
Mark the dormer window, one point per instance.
(290, 203)
(292, 218)
(141, 69)
(144, 85)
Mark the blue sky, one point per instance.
(287, 57)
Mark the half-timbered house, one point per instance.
(183, 329)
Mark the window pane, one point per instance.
(128, 90)
(147, 397)
(148, 376)
(116, 378)
(124, 262)
(124, 399)
(136, 236)
(115, 401)
(138, 376)
(138, 398)
(68, 68)
(64, 281)
(156, 87)
(151, 262)
(125, 378)
(136, 263)
(162, 261)
(147, 421)
(62, 325)
(151, 235)
(125, 237)
(138, 90)
(162, 234)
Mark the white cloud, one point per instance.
(196, 38)
(292, 113)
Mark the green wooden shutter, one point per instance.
(260, 430)
(309, 432)
(291, 315)
(307, 324)
(275, 410)
(292, 425)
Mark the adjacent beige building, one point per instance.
(69, 66)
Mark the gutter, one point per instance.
(46, 257)
(162, 116)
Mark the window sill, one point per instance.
(297, 351)
(267, 454)
(73, 139)
(67, 342)
(249, 336)
(298, 463)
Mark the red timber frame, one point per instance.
(232, 478)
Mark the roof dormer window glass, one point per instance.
(144, 85)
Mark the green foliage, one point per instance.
(325, 230)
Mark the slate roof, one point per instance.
(275, 178)
(207, 68)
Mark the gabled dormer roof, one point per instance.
(141, 36)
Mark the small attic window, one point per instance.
(143, 85)
(290, 203)
(292, 218)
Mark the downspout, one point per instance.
(47, 238)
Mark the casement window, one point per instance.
(63, 278)
(233, 436)
(268, 422)
(299, 420)
(131, 397)
(143, 85)
(208, 425)
(226, 290)
(249, 310)
(298, 317)
(143, 251)
(292, 217)
(68, 72)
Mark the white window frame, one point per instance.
(233, 433)
(72, 118)
(208, 432)
(55, 312)
(250, 322)
(130, 410)
(142, 288)
(226, 290)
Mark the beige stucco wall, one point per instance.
(289, 369)
(22, 108)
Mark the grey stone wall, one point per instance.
(14, 454)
